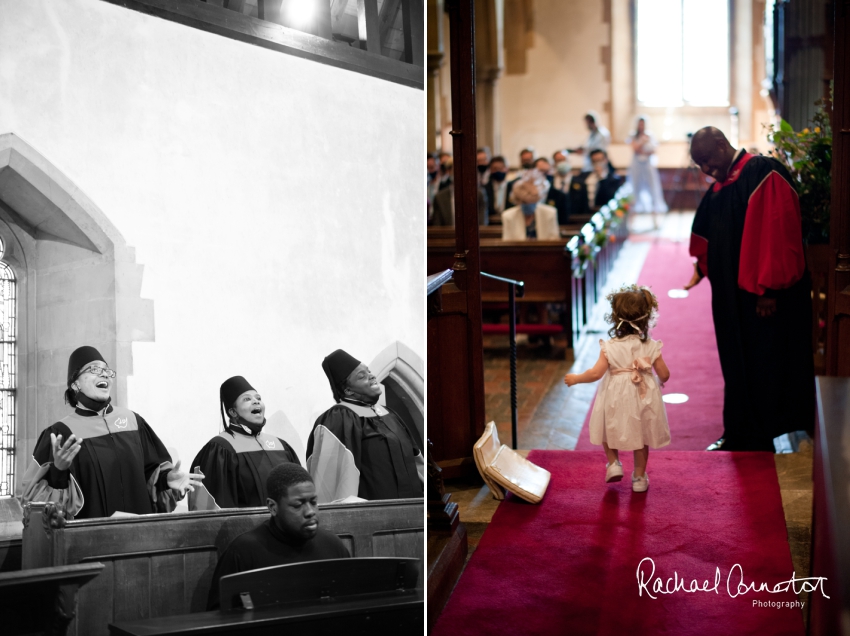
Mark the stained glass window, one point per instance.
(8, 375)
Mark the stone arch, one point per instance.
(88, 289)
(402, 373)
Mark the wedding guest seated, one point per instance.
(358, 447)
(554, 197)
(291, 535)
(497, 189)
(482, 157)
(591, 190)
(530, 218)
(444, 207)
(526, 162)
(102, 460)
(237, 462)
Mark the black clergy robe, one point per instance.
(267, 546)
(747, 239)
(363, 450)
(122, 466)
(236, 465)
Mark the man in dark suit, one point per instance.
(592, 189)
(526, 160)
(554, 197)
(444, 207)
(497, 189)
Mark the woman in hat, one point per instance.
(358, 447)
(102, 459)
(237, 462)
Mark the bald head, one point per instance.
(712, 152)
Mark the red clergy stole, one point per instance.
(771, 248)
(772, 245)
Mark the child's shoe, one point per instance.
(614, 471)
(640, 484)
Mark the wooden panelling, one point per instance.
(162, 565)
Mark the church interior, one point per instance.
(531, 528)
(200, 190)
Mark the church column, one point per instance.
(622, 75)
(435, 63)
(489, 45)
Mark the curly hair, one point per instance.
(634, 311)
(282, 477)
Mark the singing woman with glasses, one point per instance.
(102, 459)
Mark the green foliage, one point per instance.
(808, 156)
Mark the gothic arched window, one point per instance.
(8, 372)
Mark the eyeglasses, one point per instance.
(103, 372)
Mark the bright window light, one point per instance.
(682, 52)
(301, 12)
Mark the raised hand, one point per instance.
(63, 455)
(181, 480)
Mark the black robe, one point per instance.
(121, 466)
(378, 443)
(236, 465)
(266, 546)
(747, 238)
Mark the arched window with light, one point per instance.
(8, 374)
(682, 52)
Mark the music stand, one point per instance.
(327, 581)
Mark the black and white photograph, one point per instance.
(212, 217)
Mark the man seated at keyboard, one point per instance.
(290, 535)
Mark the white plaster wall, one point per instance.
(275, 203)
(566, 76)
(564, 79)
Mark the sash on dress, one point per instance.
(640, 367)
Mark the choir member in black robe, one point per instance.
(237, 462)
(291, 535)
(102, 459)
(747, 240)
(358, 447)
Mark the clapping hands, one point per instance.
(181, 480)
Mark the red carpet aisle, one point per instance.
(690, 350)
(568, 566)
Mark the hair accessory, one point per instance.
(629, 322)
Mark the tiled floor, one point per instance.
(551, 417)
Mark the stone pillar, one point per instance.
(435, 63)
(489, 48)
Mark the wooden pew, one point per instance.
(831, 510)
(162, 565)
(399, 614)
(544, 267)
(495, 231)
(360, 596)
(42, 599)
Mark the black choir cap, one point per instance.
(80, 358)
(231, 389)
(338, 366)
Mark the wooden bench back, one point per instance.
(162, 565)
